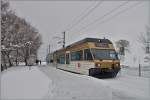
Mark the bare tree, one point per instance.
(144, 39)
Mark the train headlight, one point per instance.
(98, 65)
(117, 65)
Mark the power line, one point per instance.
(117, 14)
(76, 18)
(108, 13)
(76, 0)
(85, 15)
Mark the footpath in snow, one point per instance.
(21, 83)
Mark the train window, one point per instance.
(87, 55)
(78, 55)
(62, 59)
(73, 56)
(104, 54)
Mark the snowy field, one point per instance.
(46, 82)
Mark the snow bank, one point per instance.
(22, 83)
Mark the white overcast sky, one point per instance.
(52, 17)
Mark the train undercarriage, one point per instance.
(97, 72)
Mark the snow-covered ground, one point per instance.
(69, 86)
(47, 82)
(22, 83)
(129, 88)
(134, 71)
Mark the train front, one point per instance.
(106, 60)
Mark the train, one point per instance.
(89, 56)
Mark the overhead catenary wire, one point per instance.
(118, 13)
(113, 10)
(106, 14)
(79, 16)
(82, 16)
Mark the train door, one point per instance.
(67, 58)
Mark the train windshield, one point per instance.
(104, 54)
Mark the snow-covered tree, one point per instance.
(6, 26)
(18, 37)
(28, 38)
(122, 46)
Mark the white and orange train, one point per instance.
(90, 56)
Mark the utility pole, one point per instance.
(47, 51)
(49, 46)
(149, 41)
(139, 70)
(64, 33)
(148, 35)
(149, 12)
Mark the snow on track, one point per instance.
(70, 86)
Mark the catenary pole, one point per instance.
(149, 40)
(64, 33)
(49, 48)
(149, 12)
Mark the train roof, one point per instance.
(90, 40)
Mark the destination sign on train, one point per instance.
(103, 45)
